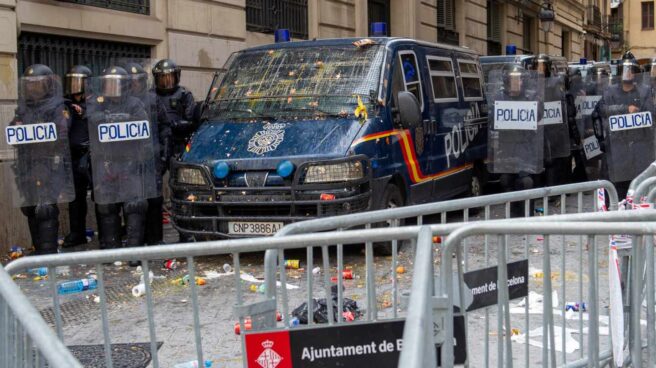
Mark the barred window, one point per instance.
(132, 6)
(266, 16)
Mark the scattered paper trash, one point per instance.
(250, 278)
(210, 275)
(571, 344)
(139, 290)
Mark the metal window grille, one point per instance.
(268, 15)
(132, 6)
(379, 11)
(60, 53)
(493, 28)
(446, 14)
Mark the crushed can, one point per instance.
(293, 264)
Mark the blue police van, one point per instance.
(300, 130)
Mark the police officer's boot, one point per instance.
(47, 217)
(135, 221)
(109, 226)
(154, 232)
(77, 213)
(32, 223)
(523, 181)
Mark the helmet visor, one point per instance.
(35, 88)
(75, 83)
(627, 73)
(138, 83)
(165, 80)
(112, 85)
(515, 83)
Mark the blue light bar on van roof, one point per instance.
(583, 61)
(378, 29)
(282, 35)
(511, 49)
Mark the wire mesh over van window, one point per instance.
(411, 75)
(297, 82)
(471, 79)
(443, 79)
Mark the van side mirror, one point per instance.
(409, 110)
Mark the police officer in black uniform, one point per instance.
(43, 173)
(79, 140)
(114, 100)
(627, 151)
(179, 106)
(139, 88)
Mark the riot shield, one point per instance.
(554, 119)
(628, 130)
(586, 99)
(121, 143)
(515, 132)
(41, 170)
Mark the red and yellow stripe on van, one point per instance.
(410, 156)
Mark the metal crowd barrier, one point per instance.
(420, 315)
(274, 260)
(235, 248)
(25, 338)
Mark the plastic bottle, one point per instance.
(294, 322)
(193, 364)
(227, 268)
(71, 287)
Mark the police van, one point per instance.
(299, 130)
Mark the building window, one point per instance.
(565, 43)
(132, 6)
(379, 11)
(493, 28)
(266, 16)
(648, 15)
(446, 23)
(411, 76)
(527, 44)
(61, 53)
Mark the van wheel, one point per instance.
(392, 198)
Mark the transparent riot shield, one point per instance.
(628, 130)
(554, 119)
(587, 95)
(41, 170)
(121, 143)
(515, 131)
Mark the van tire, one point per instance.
(392, 198)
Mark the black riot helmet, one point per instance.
(513, 79)
(138, 78)
(542, 65)
(167, 75)
(630, 67)
(37, 83)
(75, 78)
(114, 82)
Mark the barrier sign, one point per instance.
(483, 288)
(630, 121)
(553, 113)
(31, 133)
(591, 147)
(515, 115)
(123, 131)
(354, 345)
(585, 105)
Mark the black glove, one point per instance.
(181, 124)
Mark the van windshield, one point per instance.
(294, 83)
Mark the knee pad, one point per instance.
(46, 211)
(135, 207)
(107, 209)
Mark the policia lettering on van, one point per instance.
(299, 130)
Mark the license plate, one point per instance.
(254, 228)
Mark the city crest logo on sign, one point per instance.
(515, 115)
(553, 113)
(630, 121)
(123, 131)
(31, 133)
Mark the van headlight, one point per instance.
(191, 176)
(334, 173)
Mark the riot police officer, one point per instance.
(79, 140)
(123, 170)
(576, 92)
(626, 137)
(139, 88)
(179, 106)
(515, 138)
(557, 159)
(42, 170)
